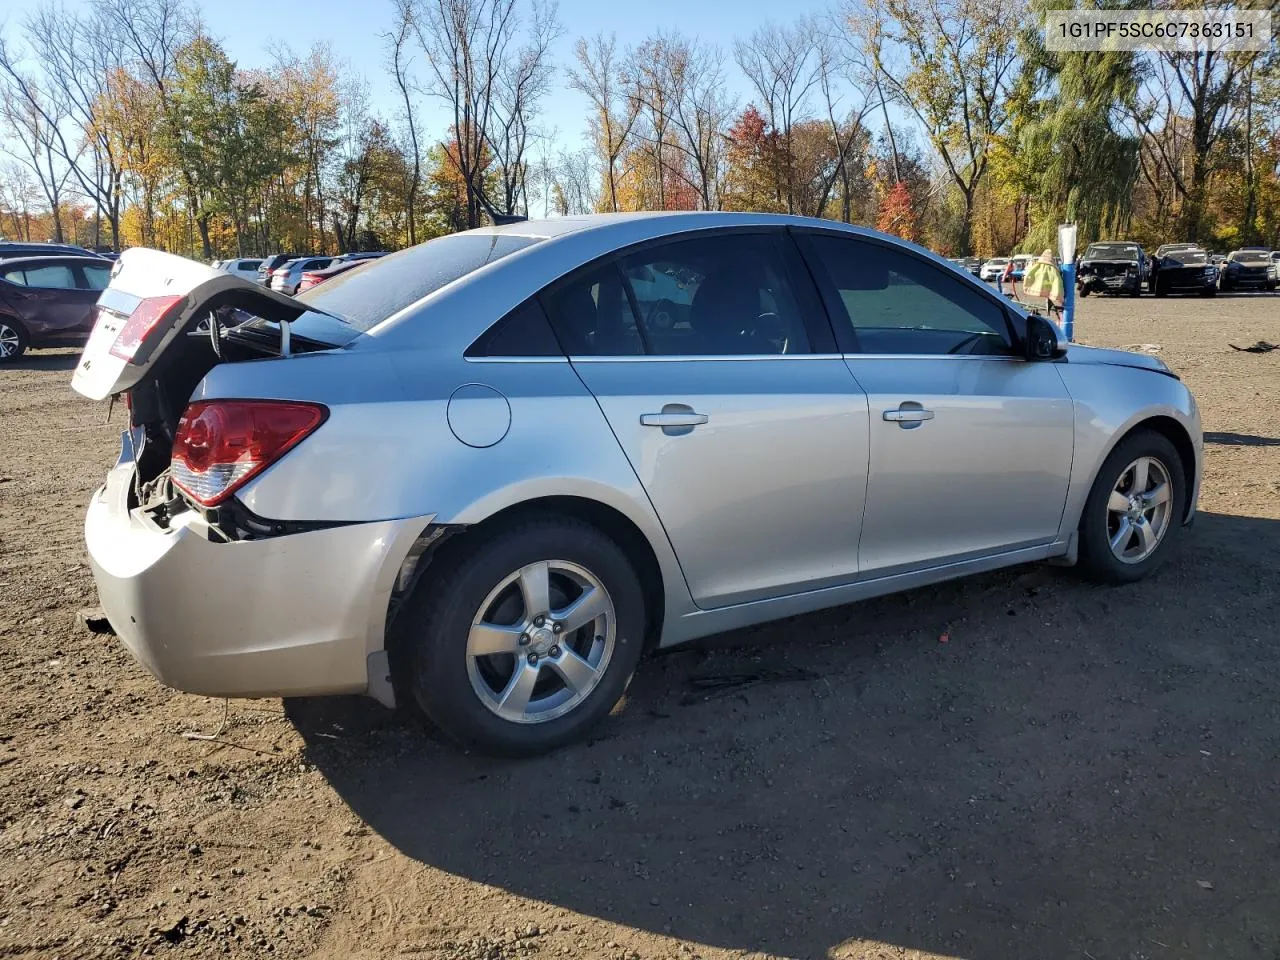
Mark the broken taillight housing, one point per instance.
(221, 445)
(146, 315)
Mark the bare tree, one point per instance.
(613, 117)
(951, 63)
(680, 84)
(522, 82)
(401, 65)
(79, 55)
(35, 121)
(1188, 102)
(18, 194)
(840, 70)
(572, 185)
(779, 62)
(468, 46)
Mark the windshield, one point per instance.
(1250, 256)
(998, 262)
(364, 298)
(1111, 251)
(1188, 257)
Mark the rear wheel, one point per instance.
(1134, 511)
(13, 340)
(528, 639)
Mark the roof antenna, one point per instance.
(499, 219)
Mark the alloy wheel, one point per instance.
(1139, 510)
(541, 641)
(9, 341)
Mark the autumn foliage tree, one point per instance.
(897, 213)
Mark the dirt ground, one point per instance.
(1077, 772)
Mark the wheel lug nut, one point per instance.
(524, 639)
(533, 659)
(539, 621)
(556, 628)
(555, 651)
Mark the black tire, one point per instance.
(13, 340)
(1097, 561)
(433, 642)
(1209, 292)
(1084, 292)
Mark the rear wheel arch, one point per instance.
(610, 521)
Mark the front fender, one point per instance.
(1110, 402)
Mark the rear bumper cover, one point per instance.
(287, 616)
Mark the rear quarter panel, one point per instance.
(1110, 401)
(389, 450)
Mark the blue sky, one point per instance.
(248, 28)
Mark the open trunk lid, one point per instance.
(152, 300)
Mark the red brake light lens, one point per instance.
(223, 444)
(145, 317)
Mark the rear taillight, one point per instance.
(222, 444)
(145, 317)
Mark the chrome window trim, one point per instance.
(929, 356)
(685, 358)
(516, 359)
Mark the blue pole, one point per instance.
(1069, 300)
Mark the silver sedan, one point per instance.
(486, 473)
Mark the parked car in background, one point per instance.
(11, 248)
(313, 278)
(244, 268)
(970, 265)
(48, 301)
(1112, 267)
(993, 268)
(269, 265)
(415, 516)
(1020, 263)
(1183, 268)
(287, 277)
(1250, 268)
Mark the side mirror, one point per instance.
(1043, 340)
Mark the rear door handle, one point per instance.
(689, 419)
(908, 416)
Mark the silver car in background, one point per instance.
(486, 473)
(286, 277)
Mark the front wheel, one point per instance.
(1134, 511)
(13, 340)
(528, 638)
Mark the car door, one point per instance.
(971, 445)
(49, 299)
(713, 361)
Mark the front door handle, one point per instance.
(689, 419)
(909, 415)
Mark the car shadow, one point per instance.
(1240, 439)
(51, 360)
(1018, 764)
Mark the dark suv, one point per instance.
(11, 248)
(48, 301)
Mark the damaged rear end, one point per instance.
(211, 597)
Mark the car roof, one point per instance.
(569, 243)
(8, 263)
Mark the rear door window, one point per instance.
(717, 295)
(52, 277)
